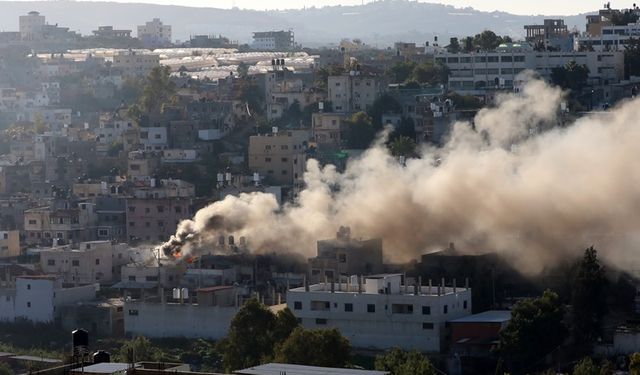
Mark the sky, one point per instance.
(524, 7)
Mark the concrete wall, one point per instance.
(386, 327)
(176, 320)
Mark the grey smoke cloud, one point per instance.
(516, 184)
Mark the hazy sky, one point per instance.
(547, 7)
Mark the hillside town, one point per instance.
(200, 205)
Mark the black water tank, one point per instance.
(80, 338)
(101, 357)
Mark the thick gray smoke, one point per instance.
(513, 183)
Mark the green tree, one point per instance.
(139, 349)
(634, 364)
(319, 347)
(158, 90)
(399, 362)
(285, 323)
(572, 76)
(487, 40)
(454, 45)
(586, 367)
(468, 45)
(5, 369)
(588, 299)
(403, 146)
(250, 337)
(382, 105)
(535, 329)
(401, 72)
(243, 70)
(431, 73)
(360, 131)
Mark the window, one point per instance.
(132, 278)
(147, 210)
(151, 278)
(160, 223)
(75, 263)
(160, 209)
(284, 172)
(321, 321)
(507, 59)
(33, 222)
(133, 312)
(51, 262)
(132, 223)
(28, 286)
(371, 308)
(445, 309)
(348, 307)
(426, 310)
(103, 232)
(464, 305)
(427, 325)
(28, 304)
(297, 305)
(342, 258)
(267, 160)
(284, 160)
(178, 209)
(397, 308)
(320, 306)
(97, 262)
(132, 209)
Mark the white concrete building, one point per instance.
(380, 312)
(31, 26)
(134, 63)
(613, 38)
(499, 69)
(353, 92)
(154, 138)
(37, 298)
(154, 33)
(91, 262)
(209, 318)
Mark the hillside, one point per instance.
(380, 23)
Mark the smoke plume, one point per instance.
(514, 182)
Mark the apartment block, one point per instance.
(379, 312)
(279, 156)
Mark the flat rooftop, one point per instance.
(105, 368)
(279, 369)
(491, 316)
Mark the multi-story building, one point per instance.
(327, 128)
(155, 219)
(353, 92)
(499, 69)
(345, 256)
(154, 34)
(279, 156)
(550, 29)
(273, 40)
(112, 218)
(142, 164)
(134, 63)
(380, 312)
(108, 32)
(61, 222)
(88, 263)
(31, 26)
(611, 38)
(39, 298)
(9, 243)
(209, 318)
